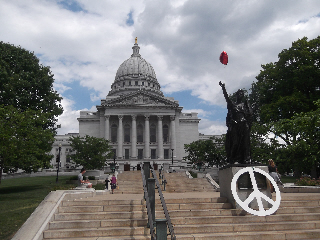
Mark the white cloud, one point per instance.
(182, 40)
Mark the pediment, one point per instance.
(140, 98)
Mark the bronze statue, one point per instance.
(239, 122)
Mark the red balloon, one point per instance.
(224, 58)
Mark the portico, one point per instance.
(140, 123)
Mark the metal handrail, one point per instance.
(164, 206)
(146, 197)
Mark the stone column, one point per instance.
(146, 137)
(120, 137)
(134, 137)
(107, 127)
(160, 137)
(173, 135)
(102, 126)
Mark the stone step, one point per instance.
(293, 210)
(245, 227)
(96, 232)
(299, 204)
(98, 223)
(242, 219)
(264, 235)
(93, 202)
(100, 215)
(115, 208)
(136, 237)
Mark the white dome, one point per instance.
(133, 74)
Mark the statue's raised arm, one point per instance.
(225, 94)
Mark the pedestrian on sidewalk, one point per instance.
(273, 171)
(107, 182)
(113, 183)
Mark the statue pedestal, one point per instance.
(243, 185)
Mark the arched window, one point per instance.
(114, 131)
(165, 133)
(153, 131)
(127, 133)
(140, 133)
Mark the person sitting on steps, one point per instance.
(82, 182)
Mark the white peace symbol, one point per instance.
(256, 193)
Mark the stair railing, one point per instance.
(146, 197)
(164, 206)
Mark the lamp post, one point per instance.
(172, 155)
(58, 162)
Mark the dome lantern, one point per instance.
(135, 74)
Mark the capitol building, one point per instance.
(140, 123)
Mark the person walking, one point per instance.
(107, 182)
(273, 171)
(113, 183)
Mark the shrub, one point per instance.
(92, 178)
(73, 178)
(306, 181)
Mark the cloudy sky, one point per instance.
(84, 42)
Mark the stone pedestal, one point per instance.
(244, 185)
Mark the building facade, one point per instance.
(140, 123)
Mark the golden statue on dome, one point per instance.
(136, 40)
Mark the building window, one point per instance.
(114, 153)
(166, 153)
(136, 83)
(165, 133)
(140, 153)
(124, 83)
(153, 135)
(126, 133)
(129, 83)
(114, 130)
(126, 154)
(142, 83)
(139, 133)
(153, 153)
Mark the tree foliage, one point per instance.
(284, 102)
(91, 152)
(28, 101)
(290, 85)
(24, 143)
(210, 151)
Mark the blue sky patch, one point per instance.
(80, 95)
(129, 20)
(187, 101)
(71, 5)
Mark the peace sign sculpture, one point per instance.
(256, 193)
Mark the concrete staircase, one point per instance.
(179, 182)
(196, 215)
(96, 217)
(297, 218)
(129, 182)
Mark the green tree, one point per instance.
(284, 90)
(91, 152)
(26, 93)
(210, 151)
(24, 143)
(304, 150)
(290, 85)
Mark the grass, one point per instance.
(288, 179)
(19, 197)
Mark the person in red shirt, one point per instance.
(113, 183)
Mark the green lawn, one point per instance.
(19, 197)
(287, 179)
